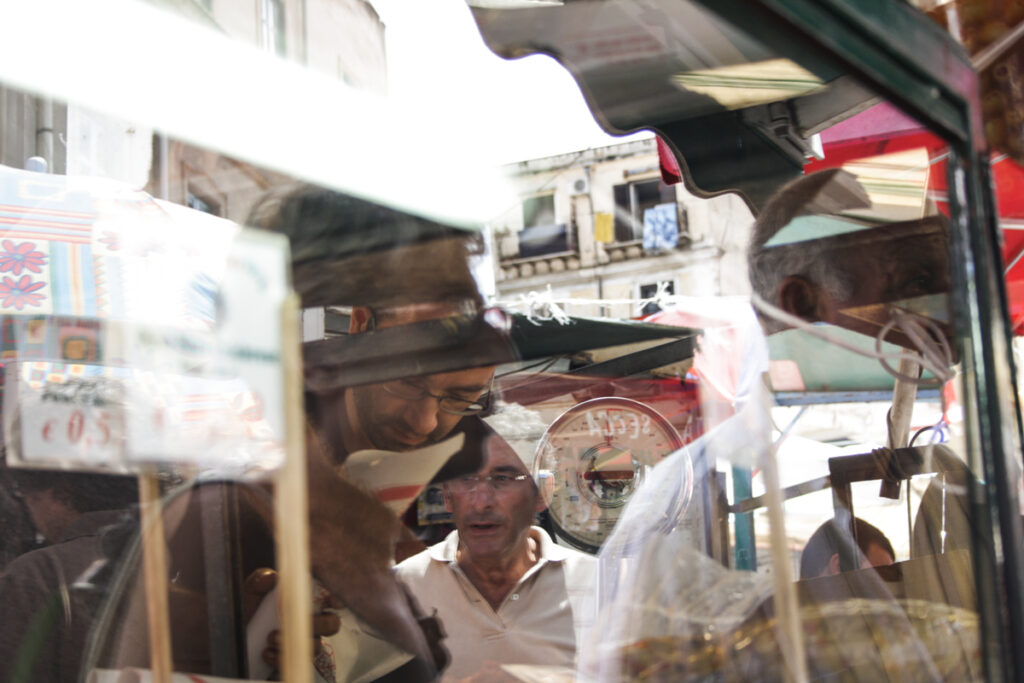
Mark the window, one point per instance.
(541, 235)
(272, 26)
(539, 211)
(648, 292)
(631, 200)
(194, 201)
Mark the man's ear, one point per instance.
(540, 505)
(360, 319)
(800, 297)
(447, 496)
(833, 565)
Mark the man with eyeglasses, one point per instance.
(393, 269)
(403, 414)
(505, 592)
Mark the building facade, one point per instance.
(341, 38)
(601, 228)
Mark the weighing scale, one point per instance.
(593, 458)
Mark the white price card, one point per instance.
(189, 371)
(64, 417)
(94, 416)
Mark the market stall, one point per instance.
(815, 477)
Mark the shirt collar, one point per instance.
(446, 550)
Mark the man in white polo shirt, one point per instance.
(505, 593)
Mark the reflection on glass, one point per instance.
(679, 402)
(744, 85)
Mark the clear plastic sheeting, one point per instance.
(657, 579)
(863, 611)
(698, 601)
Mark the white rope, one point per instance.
(661, 297)
(518, 303)
(542, 307)
(527, 301)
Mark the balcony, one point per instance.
(543, 240)
(539, 250)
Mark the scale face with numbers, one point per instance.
(591, 460)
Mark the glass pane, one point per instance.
(563, 415)
(855, 486)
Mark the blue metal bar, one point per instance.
(745, 553)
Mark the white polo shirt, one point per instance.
(541, 620)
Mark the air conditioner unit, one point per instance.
(581, 186)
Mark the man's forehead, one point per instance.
(407, 314)
(930, 230)
(499, 455)
(469, 379)
(929, 251)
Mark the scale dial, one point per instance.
(591, 460)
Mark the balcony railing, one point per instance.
(542, 240)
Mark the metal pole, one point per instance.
(44, 129)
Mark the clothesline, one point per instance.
(543, 306)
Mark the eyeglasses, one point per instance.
(497, 482)
(453, 405)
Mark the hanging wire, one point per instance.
(939, 428)
(910, 521)
(942, 532)
(941, 372)
(928, 339)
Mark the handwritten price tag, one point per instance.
(92, 435)
(116, 418)
(70, 419)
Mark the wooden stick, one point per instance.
(787, 608)
(291, 512)
(154, 565)
(903, 395)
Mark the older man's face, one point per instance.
(903, 264)
(493, 519)
(896, 270)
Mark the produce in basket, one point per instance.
(854, 640)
